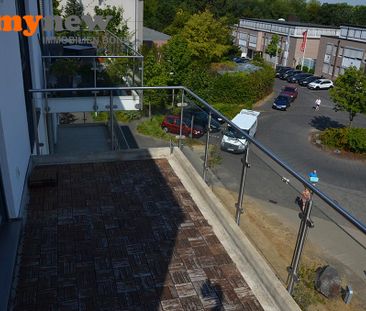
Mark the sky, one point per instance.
(352, 2)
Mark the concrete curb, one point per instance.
(265, 285)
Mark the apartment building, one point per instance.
(254, 35)
(336, 53)
(133, 13)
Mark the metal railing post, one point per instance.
(95, 72)
(35, 126)
(305, 224)
(205, 163)
(245, 165)
(181, 122)
(111, 118)
(49, 126)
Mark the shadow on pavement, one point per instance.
(322, 122)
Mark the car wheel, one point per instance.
(317, 87)
(165, 129)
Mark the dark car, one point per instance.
(282, 102)
(200, 118)
(172, 124)
(285, 74)
(308, 80)
(241, 60)
(298, 77)
(280, 69)
(290, 91)
(291, 74)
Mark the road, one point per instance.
(287, 134)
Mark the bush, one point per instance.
(349, 139)
(127, 116)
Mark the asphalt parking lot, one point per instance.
(287, 134)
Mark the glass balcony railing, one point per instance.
(298, 232)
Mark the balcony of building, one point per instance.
(158, 225)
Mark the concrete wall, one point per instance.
(295, 54)
(14, 138)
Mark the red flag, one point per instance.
(303, 43)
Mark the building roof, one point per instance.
(153, 35)
(291, 23)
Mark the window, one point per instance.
(336, 71)
(344, 32)
(325, 68)
(329, 49)
(340, 52)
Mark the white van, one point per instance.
(233, 140)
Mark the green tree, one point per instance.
(208, 38)
(56, 7)
(177, 58)
(349, 92)
(117, 24)
(74, 7)
(273, 47)
(180, 19)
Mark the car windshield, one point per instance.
(233, 133)
(317, 81)
(282, 99)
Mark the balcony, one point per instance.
(159, 225)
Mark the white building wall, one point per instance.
(14, 138)
(133, 14)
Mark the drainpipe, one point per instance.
(335, 59)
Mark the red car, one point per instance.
(290, 91)
(172, 124)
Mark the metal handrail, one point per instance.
(339, 209)
(92, 56)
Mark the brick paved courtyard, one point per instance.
(121, 236)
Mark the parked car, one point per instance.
(292, 73)
(288, 73)
(297, 77)
(282, 102)
(306, 81)
(290, 91)
(280, 69)
(320, 84)
(241, 60)
(283, 71)
(192, 106)
(200, 118)
(172, 124)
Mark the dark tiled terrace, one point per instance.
(121, 236)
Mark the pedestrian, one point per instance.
(305, 197)
(313, 176)
(318, 101)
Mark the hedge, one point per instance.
(349, 139)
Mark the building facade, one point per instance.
(338, 53)
(254, 35)
(133, 13)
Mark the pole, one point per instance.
(111, 118)
(181, 122)
(35, 126)
(239, 205)
(303, 54)
(301, 237)
(205, 163)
